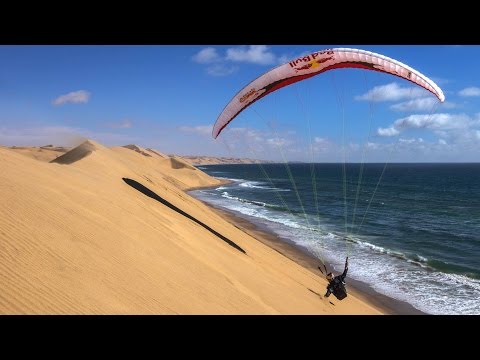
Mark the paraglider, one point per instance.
(304, 68)
(314, 64)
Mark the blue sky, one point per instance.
(168, 98)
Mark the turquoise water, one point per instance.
(413, 236)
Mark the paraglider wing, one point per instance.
(314, 64)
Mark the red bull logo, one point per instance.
(247, 95)
(313, 63)
(311, 60)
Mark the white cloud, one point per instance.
(321, 145)
(279, 142)
(470, 91)
(206, 56)
(418, 150)
(437, 122)
(251, 135)
(319, 140)
(74, 97)
(257, 54)
(406, 140)
(221, 64)
(390, 131)
(221, 70)
(391, 92)
(438, 138)
(373, 146)
(458, 137)
(200, 130)
(422, 104)
(434, 121)
(459, 144)
(260, 144)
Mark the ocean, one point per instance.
(411, 231)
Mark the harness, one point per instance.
(336, 286)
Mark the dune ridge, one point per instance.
(78, 153)
(77, 239)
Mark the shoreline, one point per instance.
(300, 255)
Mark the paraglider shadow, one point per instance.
(319, 295)
(146, 191)
(314, 292)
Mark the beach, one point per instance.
(363, 291)
(102, 230)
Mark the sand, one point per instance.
(42, 153)
(302, 256)
(76, 238)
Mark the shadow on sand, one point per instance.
(146, 191)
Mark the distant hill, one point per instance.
(211, 160)
(62, 155)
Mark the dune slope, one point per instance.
(75, 238)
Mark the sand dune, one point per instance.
(43, 153)
(156, 153)
(77, 153)
(137, 149)
(179, 163)
(75, 238)
(49, 152)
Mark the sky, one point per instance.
(167, 97)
